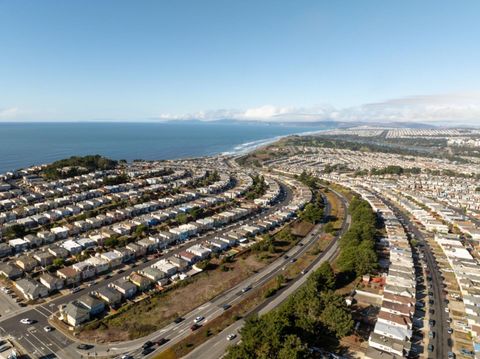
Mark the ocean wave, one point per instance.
(247, 147)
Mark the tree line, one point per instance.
(307, 319)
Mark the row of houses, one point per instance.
(392, 333)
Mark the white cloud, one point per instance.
(448, 109)
(8, 113)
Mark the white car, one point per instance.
(231, 336)
(198, 319)
(47, 329)
(26, 321)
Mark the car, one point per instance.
(47, 329)
(147, 351)
(120, 271)
(293, 260)
(286, 257)
(431, 323)
(449, 320)
(84, 346)
(247, 288)
(198, 319)
(161, 341)
(447, 310)
(126, 356)
(147, 344)
(304, 271)
(178, 320)
(431, 335)
(430, 348)
(451, 355)
(194, 327)
(26, 321)
(226, 306)
(231, 336)
(449, 330)
(431, 311)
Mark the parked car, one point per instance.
(26, 321)
(430, 348)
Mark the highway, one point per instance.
(440, 327)
(35, 341)
(215, 347)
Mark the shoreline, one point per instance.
(236, 150)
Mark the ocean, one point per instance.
(26, 144)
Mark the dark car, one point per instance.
(226, 306)
(178, 320)
(84, 346)
(147, 344)
(430, 348)
(194, 327)
(161, 341)
(431, 322)
(147, 351)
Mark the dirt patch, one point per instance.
(302, 228)
(151, 314)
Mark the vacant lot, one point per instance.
(157, 311)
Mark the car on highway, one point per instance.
(147, 351)
(26, 321)
(226, 306)
(84, 346)
(126, 356)
(198, 319)
(293, 260)
(178, 320)
(286, 257)
(47, 329)
(161, 341)
(147, 344)
(194, 327)
(304, 271)
(231, 336)
(247, 288)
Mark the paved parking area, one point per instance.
(7, 304)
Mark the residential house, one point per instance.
(51, 282)
(125, 287)
(26, 262)
(10, 271)
(31, 289)
(75, 314)
(69, 275)
(94, 305)
(109, 295)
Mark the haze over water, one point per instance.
(26, 144)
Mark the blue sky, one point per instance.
(135, 60)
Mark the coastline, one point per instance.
(43, 145)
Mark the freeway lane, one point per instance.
(10, 325)
(216, 346)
